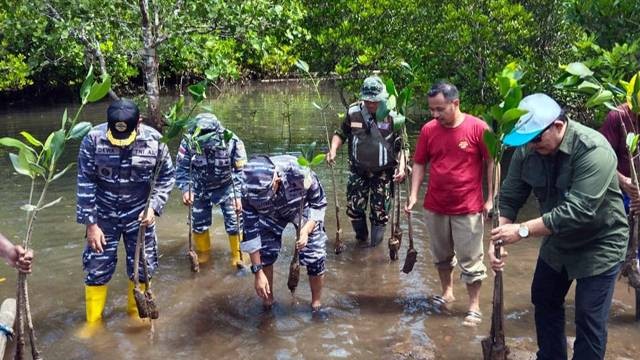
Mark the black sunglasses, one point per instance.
(538, 137)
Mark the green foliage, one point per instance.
(15, 71)
(462, 41)
(619, 62)
(37, 159)
(212, 39)
(506, 114)
(603, 94)
(608, 21)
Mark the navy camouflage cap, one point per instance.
(208, 122)
(258, 175)
(373, 89)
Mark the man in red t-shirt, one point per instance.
(452, 144)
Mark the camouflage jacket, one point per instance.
(114, 182)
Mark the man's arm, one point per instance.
(338, 138)
(514, 191)
(183, 160)
(86, 210)
(15, 255)
(488, 204)
(417, 176)
(164, 182)
(238, 160)
(316, 200)
(251, 241)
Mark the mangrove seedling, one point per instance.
(39, 161)
(503, 117)
(396, 106)
(308, 161)
(175, 123)
(321, 105)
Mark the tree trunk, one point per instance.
(150, 66)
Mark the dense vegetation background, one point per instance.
(48, 45)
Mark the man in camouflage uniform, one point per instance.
(217, 179)
(273, 190)
(116, 164)
(375, 149)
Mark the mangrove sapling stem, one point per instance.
(23, 307)
(412, 253)
(32, 335)
(145, 303)
(193, 256)
(294, 267)
(630, 263)
(338, 245)
(494, 347)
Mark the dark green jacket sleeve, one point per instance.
(593, 171)
(345, 129)
(514, 192)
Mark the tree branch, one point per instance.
(92, 47)
(198, 30)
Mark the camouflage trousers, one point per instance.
(203, 202)
(312, 255)
(369, 189)
(99, 267)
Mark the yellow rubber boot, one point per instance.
(234, 245)
(95, 299)
(203, 246)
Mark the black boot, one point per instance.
(377, 233)
(361, 230)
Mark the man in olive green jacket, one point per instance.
(571, 170)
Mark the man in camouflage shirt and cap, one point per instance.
(217, 179)
(273, 190)
(116, 164)
(375, 149)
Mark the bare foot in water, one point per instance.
(441, 303)
(316, 306)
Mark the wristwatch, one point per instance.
(523, 231)
(256, 268)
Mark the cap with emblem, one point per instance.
(373, 89)
(122, 121)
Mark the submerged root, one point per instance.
(294, 277)
(410, 260)
(394, 244)
(146, 304)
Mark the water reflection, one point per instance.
(372, 310)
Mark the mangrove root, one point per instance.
(493, 350)
(294, 276)
(394, 244)
(146, 304)
(410, 260)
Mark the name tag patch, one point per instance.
(356, 125)
(383, 126)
